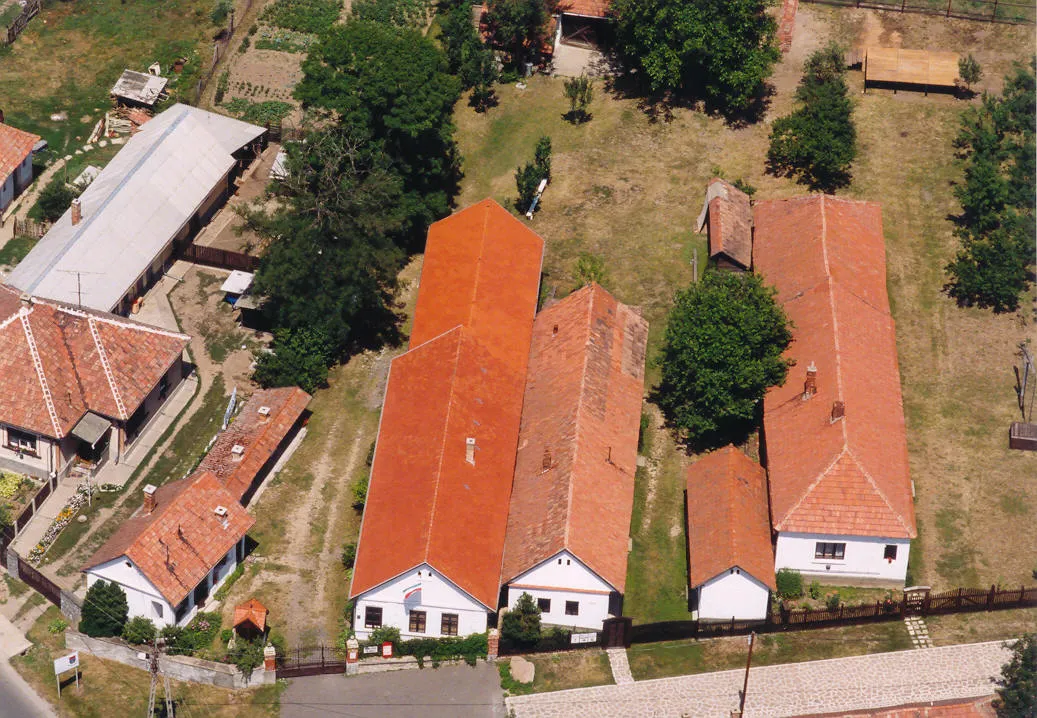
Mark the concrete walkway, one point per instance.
(814, 687)
(620, 666)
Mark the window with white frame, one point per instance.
(830, 550)
(21, 441)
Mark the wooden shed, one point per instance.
(896, 68)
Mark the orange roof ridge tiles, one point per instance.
(731, 224)
(71, 378)
(469, 351)
(843, 475)
(728, 518)
(574, 473)
(15, 146)
(584, 8)
(179, 542)
(251, 611)
(259, 434)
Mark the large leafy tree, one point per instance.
(1017, 687)
(722, 350)
(717, 50)
(329, 274)
(104, 610)
(392, 85)
(818, 142)
(520, 27)
(997, 227)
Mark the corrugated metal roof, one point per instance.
(134, 208)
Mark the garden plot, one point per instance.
(258, 79)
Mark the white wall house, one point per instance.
(16, 182)
(843, 559)
(422, 603)
(15, 161)
(146, 600)
(567, 592)
(733, 594)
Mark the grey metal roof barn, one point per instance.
(135, 208)
(139, 87)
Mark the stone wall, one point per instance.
(181, 668)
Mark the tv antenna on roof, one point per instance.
(79, 284)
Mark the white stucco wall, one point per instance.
(733, 594)
(564, 578)
(6, 191)
(46, 458)
(863, 557)
(15, 182)
(438, 596)
(141, 594)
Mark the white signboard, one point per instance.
(66, 663)
(371, 649)
(584, 638)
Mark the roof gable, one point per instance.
(730, 223)
(828, 473)
(178, 543)
(15, 146)
(728, 518)
(87, 361)
(574, 473)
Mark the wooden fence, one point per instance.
(220, 46)
(30, 228)
(988, 10)
(30, 10)
(222, 258)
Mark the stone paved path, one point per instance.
(918, 631)
(620, 666)
(838, 684)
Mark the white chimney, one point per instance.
(469, 450)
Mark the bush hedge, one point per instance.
(790, 583)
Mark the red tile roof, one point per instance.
(426, 503)
(974, 708)
(574, 475)
(259, 435)
(586, 8)
(179, 542)
(251, 611)
(73, 346)
(728, 519)
(731, 224)
(15, 146)
(826, 257)
(481, 271)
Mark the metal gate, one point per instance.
(311, 661)
(615, 632)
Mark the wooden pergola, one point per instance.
(925, 69)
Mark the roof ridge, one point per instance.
(878, 490)
(835, 314)
(107, 318)
(102, 355)
(442, 450)
(478, 266)
(34, 353)
(576, 419)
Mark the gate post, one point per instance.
(492, 645)
(990, 597)
(352, 657)
(269, 658)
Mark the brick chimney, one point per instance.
(838, 411)
(77, 211)
(810, 385)
(149, 498)
(547, 459)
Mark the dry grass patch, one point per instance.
(562, 671)
(977, 627)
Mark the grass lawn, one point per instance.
(628, 188)
(71, 54)
(15, 250)
(560, 671)
(108, 688)
(976, 627)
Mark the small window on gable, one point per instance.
(890, 554)
(568, 562)
(559, 562)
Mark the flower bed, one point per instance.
(63, 519)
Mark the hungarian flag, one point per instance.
(412, 593)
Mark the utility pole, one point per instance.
(153, 692)
(745, 684)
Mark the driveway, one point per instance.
(448, 692)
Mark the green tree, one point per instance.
(818, 142)
(580, 92)
(527, 178)
(392, 86)
(349, 555)
(139, 630)
(969, 71)
(542, 157)
(329, 273)
(719, 51)
(247, 656)
(1017, 686)
(298, 357)
(104, 610)
(479, 72)
(220, 11)
(722, 350)
(520, 28)
(521, 625)
(55, 198)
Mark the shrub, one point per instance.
(385, 633)
(57, 625)
(526, 180)
(222, 85)
(104, 610)
(349, 554)
(521, 625)
(542, 157)
(1017, 684)
(139, 630)
(225, 587)
(226, 634)
(197, 635)
(359, 490)
(832, 601)
(220, 11)
(969, 71)
(815, 590)
(470, 648)
(247, 656)
(590, 268)
(790, 583)
(580, 92)
(55, 198)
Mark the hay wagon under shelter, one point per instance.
(896, 68)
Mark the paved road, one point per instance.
(17, 699)
(448, 692)
(815, 687)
